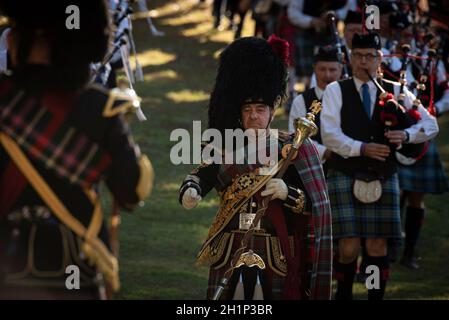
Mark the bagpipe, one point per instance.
(394, 116)
(342, 56)
(121, 48)
(118, 56)
(422, 60)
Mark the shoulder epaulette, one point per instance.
(116, 102)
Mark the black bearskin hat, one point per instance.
(326, 53)
(400, 20)
(72, 50)
(363, 41)
(353, 17)
(250, 69)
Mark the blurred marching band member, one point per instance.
(60, 138)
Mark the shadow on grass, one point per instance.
(159, 241)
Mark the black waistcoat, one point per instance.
(356, 125)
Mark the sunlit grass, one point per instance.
(160, 240)
(161, 75)
(155, 58)
(187, 96)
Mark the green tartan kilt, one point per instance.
(352, 218)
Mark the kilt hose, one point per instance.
(352, 218)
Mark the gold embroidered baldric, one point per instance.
(298, 200)
(242, 188)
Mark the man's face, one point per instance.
(327, 72)
(350, 30)
(255, 116)
(365, 59)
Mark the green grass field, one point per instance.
(159, 241)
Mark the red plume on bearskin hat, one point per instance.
(280, 46)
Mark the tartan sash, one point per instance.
(39, 127)
(310, 170)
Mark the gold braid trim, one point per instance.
(274, 254)
(146, 178)
(127, 104)
(242, 188)
(95, 250)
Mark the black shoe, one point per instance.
(360, 277)
(409, 262)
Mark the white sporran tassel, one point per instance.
(126, 65)
(239, 293)
(138, 72)
(140, 115)
(258, 292)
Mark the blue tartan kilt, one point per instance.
(426, 175)
(352, 218)
(306, 40)
(304, 44)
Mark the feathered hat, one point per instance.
(250, 70)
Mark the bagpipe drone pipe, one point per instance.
(396, 117)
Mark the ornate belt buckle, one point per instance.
(245, 221)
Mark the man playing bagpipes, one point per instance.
(327, 69)
(421, 70)
(362, 179)
(60, 138)
(289, 254)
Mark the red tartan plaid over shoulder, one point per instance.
(311, 172)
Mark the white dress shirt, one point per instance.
(299, 110)
(333, 136)
(297, 17)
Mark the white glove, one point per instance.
(190, 198)
(276, 188)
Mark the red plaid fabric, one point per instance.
(311, 172)
(39, 127)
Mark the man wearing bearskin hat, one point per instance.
(60, 137)
(362, 179)
(293, 239)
